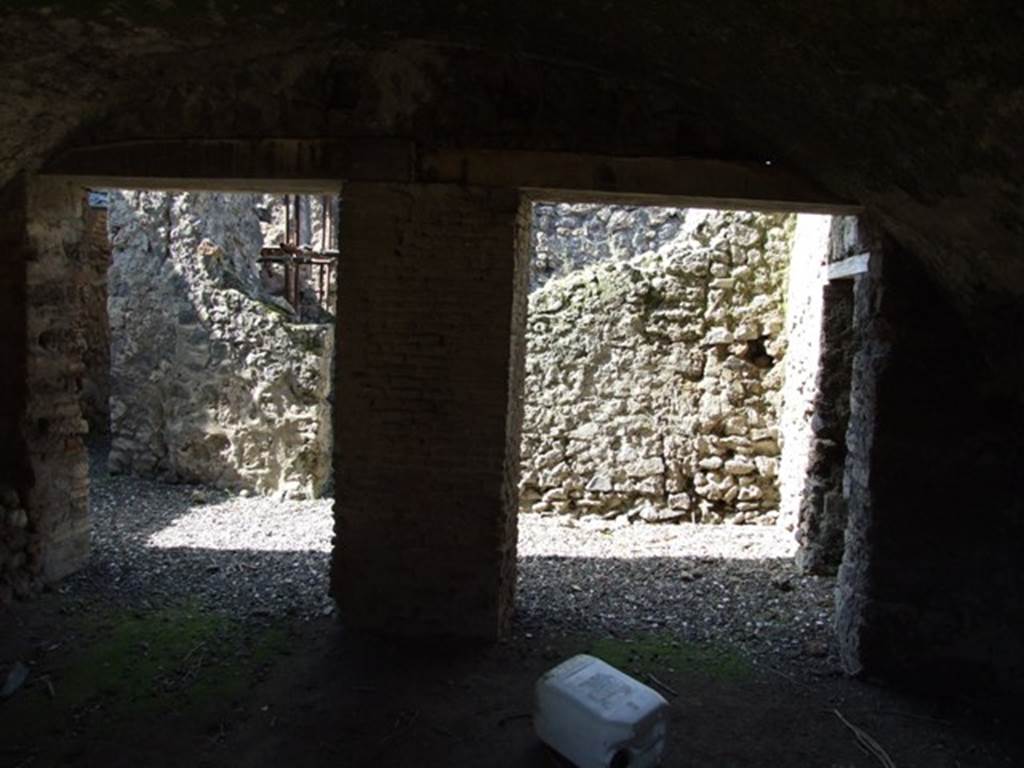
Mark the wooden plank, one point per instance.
(849, 268)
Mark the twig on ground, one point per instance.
(188, 655)
(791, 679)
(190, 671)
(866, 741)
(49, 686)
(664, 686)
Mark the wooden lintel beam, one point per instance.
(849, 268)
(294, 165)
(644, 180)
(321, 165)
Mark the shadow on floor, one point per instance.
(218, 657)
(313, 694)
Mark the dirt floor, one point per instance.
(201, 633)
(183, 685)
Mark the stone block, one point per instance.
(740, 465)
(681, 501)
(652, 514)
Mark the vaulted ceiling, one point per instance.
(915, 110)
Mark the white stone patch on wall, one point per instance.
(654, 363)
(808, 273)
(210, 380)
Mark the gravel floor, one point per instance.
(727, 583)
(261, 557)
(153, 542)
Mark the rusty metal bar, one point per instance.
(280, 255)
(293, 255)
(323, 222)
(287, 220)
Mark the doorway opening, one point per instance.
(669, 447)
(209, 333)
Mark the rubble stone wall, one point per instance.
(654, 367)
(805, 309)
(91, 285)
(930, 591)
(211, 381)
(822, 510)
(17, 573)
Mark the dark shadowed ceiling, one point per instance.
(915, 109)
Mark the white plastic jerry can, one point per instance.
(599, 717)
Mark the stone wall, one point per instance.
(654, 373)
(211, 381)
(822, 509)
(91, 285)
(804, 309)
(17, 574)
(931, 588)
(19, 562)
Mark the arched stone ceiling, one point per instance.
(915, 110)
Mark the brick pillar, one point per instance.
(431, 315)
(44, 531)
(53, 427)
